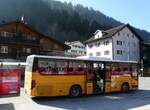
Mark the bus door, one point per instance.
(107, 80)
(89, 79)
(98, 80)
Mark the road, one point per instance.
(138, 100)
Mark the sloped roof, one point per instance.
(111, 32)
(73, 42)
(32, 29)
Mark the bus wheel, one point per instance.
(125, 88)
(75, 91)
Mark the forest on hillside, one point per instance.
(62, 21)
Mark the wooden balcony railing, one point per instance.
(18, 40)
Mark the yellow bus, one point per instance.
(62, 76)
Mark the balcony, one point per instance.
(18, 39)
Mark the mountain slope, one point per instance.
(63, 21)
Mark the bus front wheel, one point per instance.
(125, 88)
(75, 91)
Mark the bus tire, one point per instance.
(125, 88)
(75, 91)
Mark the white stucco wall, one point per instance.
(101, 48)
(130, 46)
(77, 48)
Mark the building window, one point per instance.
(119, 52)
(124, 51)
(4, 49)
(128, 43)
(133, 35)
(83, 47)
(97, 44)
(98, 53)
(24, 50)
(123, 42)
(80, 52)
(90, 46)
(90, 54)
(11, 35)
(134, 44)
(28, 50)
(5, 34)
(118, 34)
(75, 46)
(144, 47)
(119, 42)
(106, 42)
(1, 34)
(74, 51)
(106, 52)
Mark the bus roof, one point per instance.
(83, 58)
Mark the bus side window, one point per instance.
(80, 68)
(47, 67)
(66, 67)
(60, 67)
(54, 70)
(42, 67)
(35, 65)
(134, 71)
(70, 69)
(88, 71)
(130, 71)
(117, 69)
(125, 70)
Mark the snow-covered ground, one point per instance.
(138, 100)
